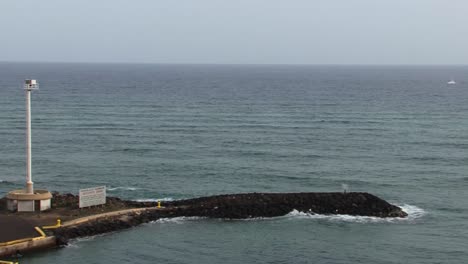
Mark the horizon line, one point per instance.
(237, 64)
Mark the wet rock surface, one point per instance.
(234, 206)
(250, 205)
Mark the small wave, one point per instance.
(256, 219)
(413, 212)
(7, 183)
(165, 199)
(136, 150)
(75, 243)
(72, 245)
(123, 188)
(178, 220)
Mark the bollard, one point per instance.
(59, 222)
(159, 204)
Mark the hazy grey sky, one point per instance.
(236, 31)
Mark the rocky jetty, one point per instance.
(231, 206)
(238, 206)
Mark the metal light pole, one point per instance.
(29, 200)
(29, 85)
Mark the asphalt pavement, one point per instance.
(13, 228)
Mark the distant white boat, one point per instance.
(451, 82)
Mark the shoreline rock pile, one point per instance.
(233, 206)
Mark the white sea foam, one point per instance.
(178, 220)
(122, 188)
(72, 244)
(413, 212)
(75, 242)
(165, 199)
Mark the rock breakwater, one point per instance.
(231, 206)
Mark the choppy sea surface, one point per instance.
(182, 131)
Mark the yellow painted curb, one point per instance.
(31, 244)
(104, 215)
(15, 242)
(59, 224)
(40, 231)
(9, 243)
(7, 262)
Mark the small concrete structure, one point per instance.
(21, 201)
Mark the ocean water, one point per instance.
(182, 131)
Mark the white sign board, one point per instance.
(92, 196)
